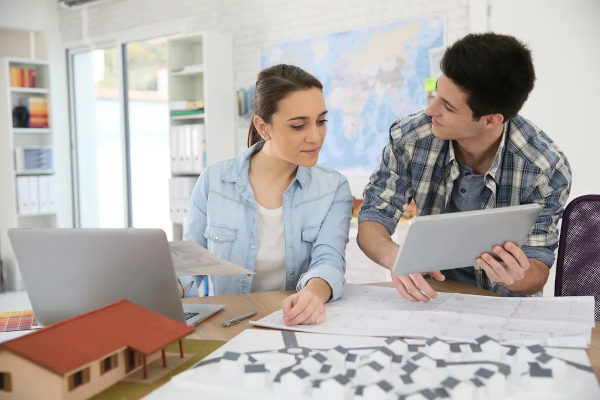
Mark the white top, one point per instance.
(270, 258)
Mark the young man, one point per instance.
(469, 150)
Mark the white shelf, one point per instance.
(31, 130)
(189, 116)
(36, 172)
(26, 90)
(189, 70)
(36, 215)
(13, 214)
(200, 68)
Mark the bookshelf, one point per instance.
(27, 156)
(202, 112)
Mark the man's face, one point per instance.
(452, 118)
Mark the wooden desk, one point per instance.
(267, 302)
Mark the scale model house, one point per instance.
(81, 356)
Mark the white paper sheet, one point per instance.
(189, 258)
(380, 311)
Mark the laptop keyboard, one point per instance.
(188, 315)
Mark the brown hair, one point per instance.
(272, 85)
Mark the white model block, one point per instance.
(560, 369)
(336, 357)
(313, 363)
(369, 373)
(352, 360)
(295, 381)
(336, 388)
(397, 345)
(422, 395)
(256, 376)
(459, 390)
(437, 349)
(233, 363)
(382, 356)
(496, 385)
(424, 361)
(491, 349)
(377, 391)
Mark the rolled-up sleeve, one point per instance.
(551, 192)
(388, 192)
(328, 260)
(195, 227)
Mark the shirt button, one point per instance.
(252, 246)
(292, 274)
(463, 190)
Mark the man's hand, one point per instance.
(512, 268)
(415, 288)
(303, 308)
(516, 271)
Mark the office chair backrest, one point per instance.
(578, 264)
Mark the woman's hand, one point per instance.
(307, 306)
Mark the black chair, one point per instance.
(578, 263)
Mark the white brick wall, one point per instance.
(254, 24)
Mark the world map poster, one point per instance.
(371, 77)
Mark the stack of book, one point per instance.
(186, 107)
(38, 111)
(22, 77)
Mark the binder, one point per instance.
(186, 148)
(43, 193)
(51, 195)
(34, 204)
(174, 139)
(23, 195)
(198, 145)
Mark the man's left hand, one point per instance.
(512, 268)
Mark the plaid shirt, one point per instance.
(528, 168)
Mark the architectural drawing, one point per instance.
(381, 311)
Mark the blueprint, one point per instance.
(380, 311)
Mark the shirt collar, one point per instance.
(242, 164)
(495, 169)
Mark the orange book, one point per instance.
(15, 77)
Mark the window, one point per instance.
(121, 136)
(5, 383)
(108, 363)
(79, 378)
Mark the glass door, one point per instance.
(121, 136)
(148, 128)
(99, 170)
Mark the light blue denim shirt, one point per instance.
(223, 217)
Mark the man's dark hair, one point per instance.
(496, 72)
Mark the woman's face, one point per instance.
(297, 130)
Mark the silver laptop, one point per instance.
(71, 271)
(455, 240)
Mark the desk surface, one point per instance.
(267, 302)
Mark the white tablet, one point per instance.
(455, 240)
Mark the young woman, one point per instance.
(271, 210)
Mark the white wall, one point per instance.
(564, 36)
(252, 24)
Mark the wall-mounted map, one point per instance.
(371, 77)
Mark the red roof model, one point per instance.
(82, 343)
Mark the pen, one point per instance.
(238, 319)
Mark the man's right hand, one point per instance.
(415, 288)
